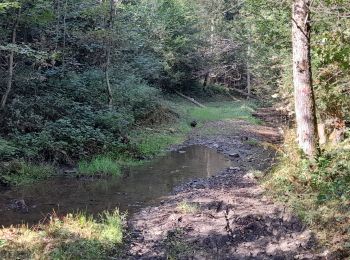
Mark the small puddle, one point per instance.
(136, 188)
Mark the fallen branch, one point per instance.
(190, 99)
(233, 97)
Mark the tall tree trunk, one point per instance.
(64, 32)
(10, 65)
(249, 85)
(302, 78)
(108, 83)
(112, 11)
(58, 21)
(205, 82)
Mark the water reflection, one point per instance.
(139, 186)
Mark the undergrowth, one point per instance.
(21, 172)
(143, 141)
(73, 237)
(319, 193)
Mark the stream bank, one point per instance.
(226, 216)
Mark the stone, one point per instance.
(234, 155)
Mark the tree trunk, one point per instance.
(205, 82)
(10, 66)
(58, 18)
(64, 33)
(249, 85)
(109, 88)
(108, 52)
(302, 78)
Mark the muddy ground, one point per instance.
(226, 216)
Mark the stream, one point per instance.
(137, 187)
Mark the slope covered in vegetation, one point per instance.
(90, 86)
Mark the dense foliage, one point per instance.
(85, 82)
(84, 73)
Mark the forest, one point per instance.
(95, 93)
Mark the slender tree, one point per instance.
(11, 63)
(302, 78)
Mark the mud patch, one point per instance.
(234, 219)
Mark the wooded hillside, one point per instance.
(89, 83)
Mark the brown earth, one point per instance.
(226, 216)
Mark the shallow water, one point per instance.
(137, 187)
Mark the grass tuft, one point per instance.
(187, 207)
(101, 165)
(73, 237)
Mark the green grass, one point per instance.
(21, 172)
(187, 207)
(152, 142)
(73, 237)
(100, 165)
(215, 111)
(319, 193)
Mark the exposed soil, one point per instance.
(228, 215)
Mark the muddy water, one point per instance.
(137, 187)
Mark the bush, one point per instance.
(69, 120)
(20, 172)
(7, 150)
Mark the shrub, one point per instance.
(7, 150)
(20, 172)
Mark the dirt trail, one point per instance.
(226, 216)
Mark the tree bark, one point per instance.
(10, 65)
(64, 32)
(108, 52)
(205, 82)
(249, 85)
(302, 78)
(108, 84)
